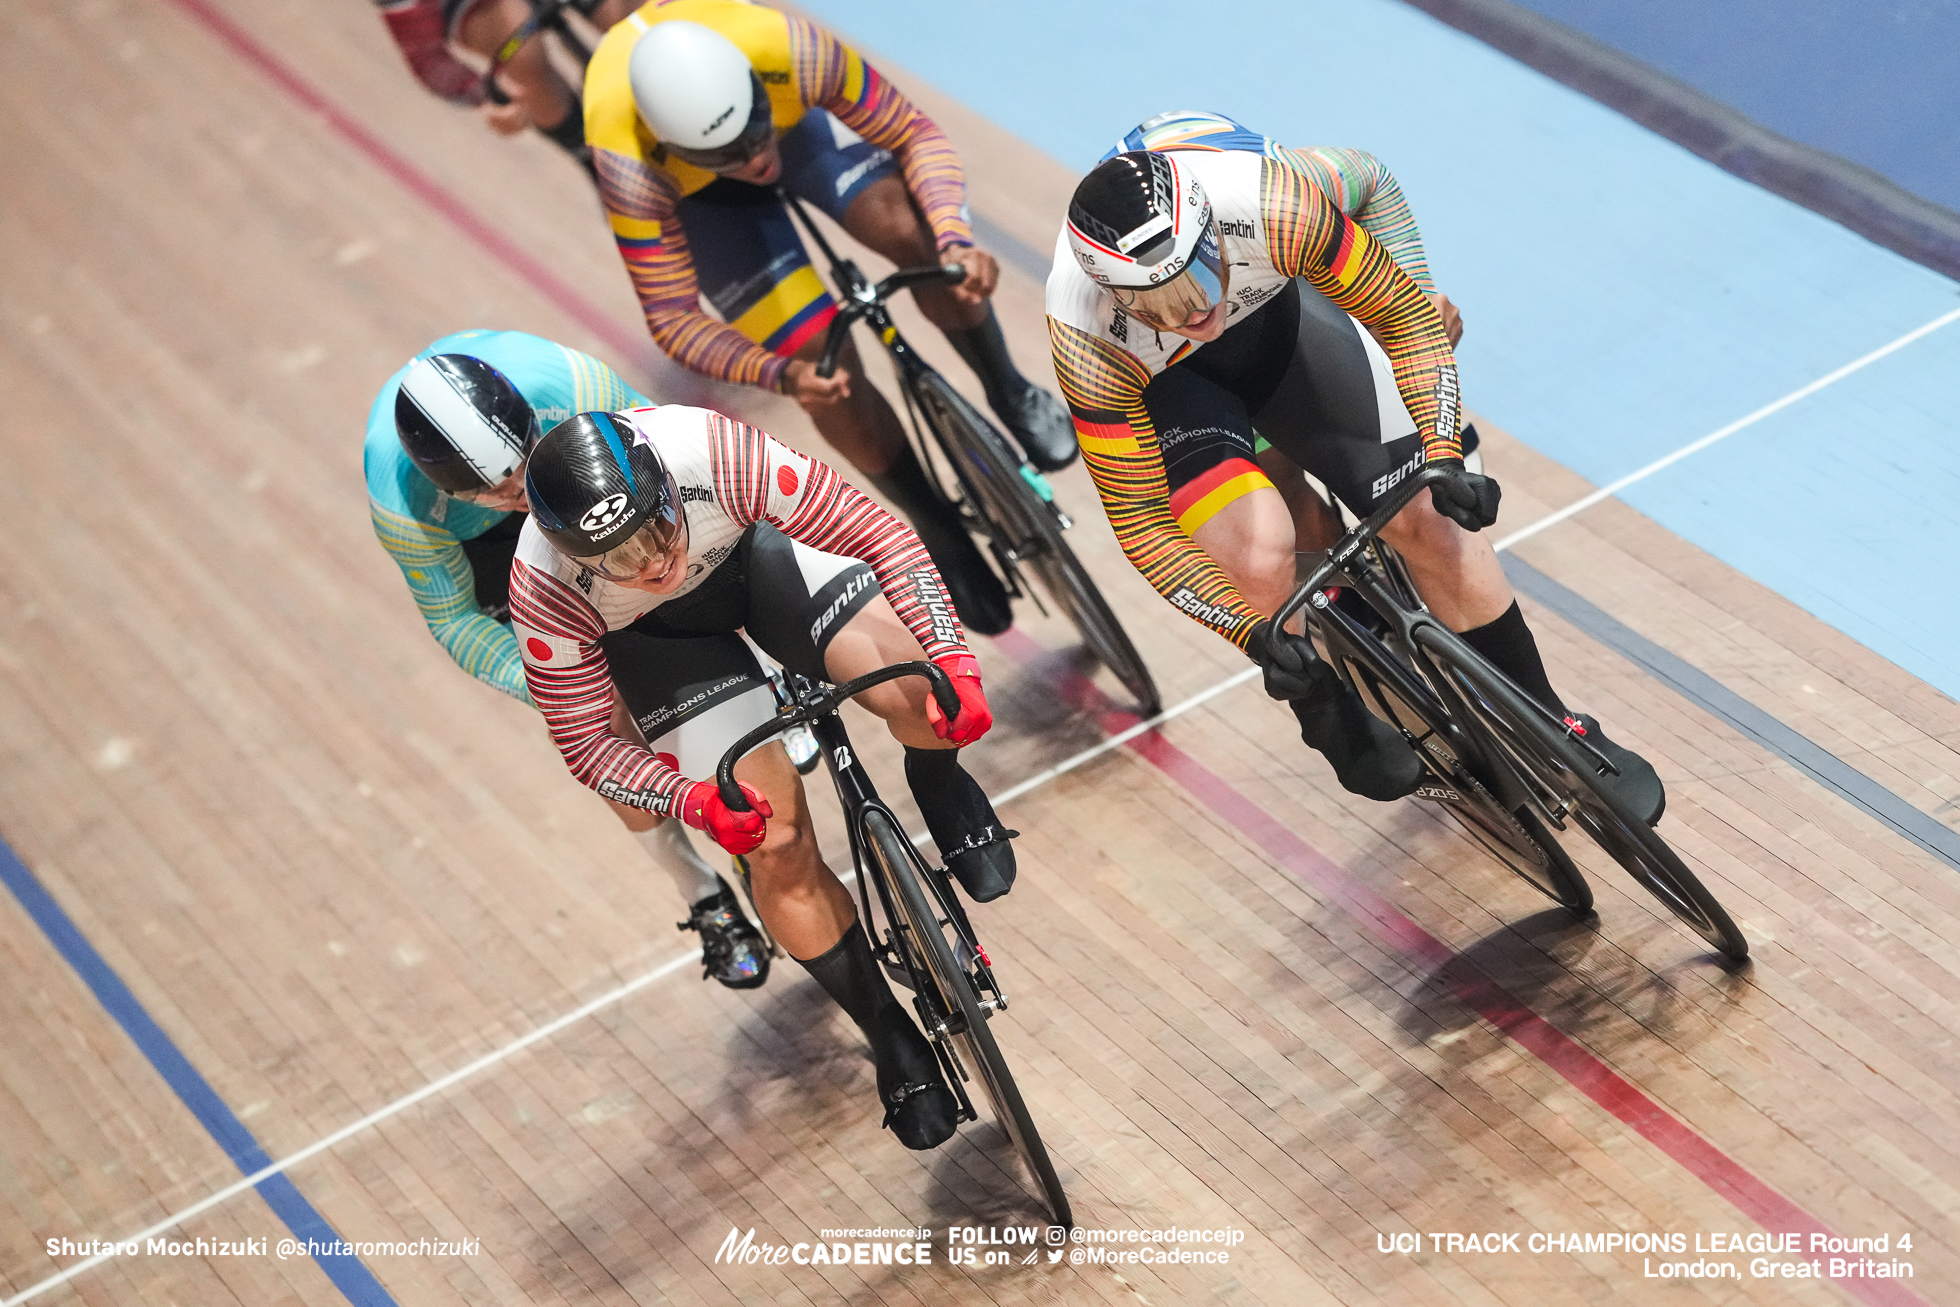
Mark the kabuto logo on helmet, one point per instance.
(601, 517)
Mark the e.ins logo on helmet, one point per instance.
(602, 516)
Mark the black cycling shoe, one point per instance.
(1638, 785)
(732, 950)
(1370, 758)
(977, 594)
(1043, 428)
(972, 842)
(919, 1109)
(983, 863)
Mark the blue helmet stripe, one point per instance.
(607, 425)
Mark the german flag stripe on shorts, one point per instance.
(1203, 497)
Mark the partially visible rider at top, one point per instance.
(427, 29)
(448, 439)
(1209, 281)
(697, 111)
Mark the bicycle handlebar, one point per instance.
(874, 298)
(820, 703)
(1352, 543)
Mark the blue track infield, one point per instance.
(1622, 297)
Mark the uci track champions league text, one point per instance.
(1684, 1255)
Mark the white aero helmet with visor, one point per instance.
(1141, 226)
(700, 95)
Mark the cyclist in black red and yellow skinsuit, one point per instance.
(696, 111)
(1209, 280)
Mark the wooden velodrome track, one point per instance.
(333, 870)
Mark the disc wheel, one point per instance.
(972, 1042)
(1028, 528)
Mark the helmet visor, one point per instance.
(1197, 289)
(755, 137)
(662, 536)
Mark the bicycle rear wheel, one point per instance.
(1027, 528)
(961, 1018)
(1568, 775)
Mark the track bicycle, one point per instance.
(1002, 498)
(926, 941)
(1505, 766)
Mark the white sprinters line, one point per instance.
(1695, 447)
(559, 1023)
(1006, 796)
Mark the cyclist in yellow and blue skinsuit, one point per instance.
(477, 390)
(720, 269)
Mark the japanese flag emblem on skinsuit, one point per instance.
(541, 650)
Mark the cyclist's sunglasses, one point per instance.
(664, 531)
(1202, 284)
(755, 137)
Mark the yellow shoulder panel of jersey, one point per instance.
(613, 123)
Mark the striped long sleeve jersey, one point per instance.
(730, 476)
(1333, 217)
(801, 67)
(423, 529)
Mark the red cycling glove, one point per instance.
(974, 716)
(738, 832)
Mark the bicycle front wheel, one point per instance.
(1461, 780)
(1569, 777)
(1025, 525)
(961, 1017)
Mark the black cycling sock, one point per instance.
(1510, 647)
(949, 799)
(849, 975)
(985, 351)
(569, 134)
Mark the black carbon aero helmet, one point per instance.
(462, 422)
(602, 495)
(1141, 225)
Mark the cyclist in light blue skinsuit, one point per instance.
(454, 545)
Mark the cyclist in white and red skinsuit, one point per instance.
(656, 535)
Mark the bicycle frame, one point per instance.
(815, 706)
(1410, 630)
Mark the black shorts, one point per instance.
(1304, 375)
(692, 684)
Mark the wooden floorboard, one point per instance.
(333, 869)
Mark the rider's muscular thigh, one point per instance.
(1251, 539)
(1455, 571)
(884, 218)
(802, 903)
